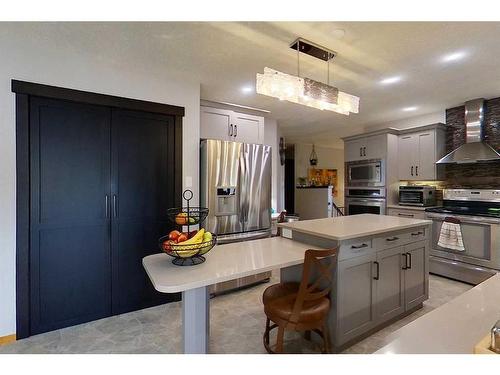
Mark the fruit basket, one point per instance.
(191, 251)
(187, 248)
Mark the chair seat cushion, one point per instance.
(279, 300)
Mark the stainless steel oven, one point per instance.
(365, 200)
(365, 173)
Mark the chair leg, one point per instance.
(266, 332)
(279, 340)
(326, 338)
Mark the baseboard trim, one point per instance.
(7, 339)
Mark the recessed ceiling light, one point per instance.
(455, 56)
(409, 109)
(390, 80)
(338, 33)
(247, 89)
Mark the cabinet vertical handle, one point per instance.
(405, 266)
(416, 170)
(364, 151)
(106, 202)
(411, 170)
(115, 211)
(408, 266)
(377, 277)
(230, 130)
(235, 130)
(361, 151)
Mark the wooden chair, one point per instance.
(302, 306)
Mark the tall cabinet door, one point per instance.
(70, 265)
(416, 281)
(408, 156)
(142, 166)
(426, 156)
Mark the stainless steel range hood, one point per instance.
(474, 150)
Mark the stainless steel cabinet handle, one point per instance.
(392, 239)
(417, 233)
(235, 130)
(115, 211)
(377, 277)
(231, 130)
(405, 215)
(359, 246)
(408, 266)
(405, 266)
(411, 170)
(107, 205)
(416, 170)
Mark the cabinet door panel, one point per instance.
(416, 280)
(356, 297)
(407, 156)
(354, 150)
(247, 128)
(390, 285)
(70, 270)
(375, 147)
(215, 124)
(426, 156)
(142, 191)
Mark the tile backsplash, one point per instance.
(478, 175)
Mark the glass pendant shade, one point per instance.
(305, 91)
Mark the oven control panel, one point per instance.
(486, 195)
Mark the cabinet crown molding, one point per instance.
(395, 131)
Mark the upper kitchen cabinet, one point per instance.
(366, 147)
(418, 151)
(227, 125)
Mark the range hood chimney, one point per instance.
(474, 150)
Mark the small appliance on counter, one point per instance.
(413, 195)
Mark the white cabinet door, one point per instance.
(375, 147)
(215, 123)
(390, 301)
(353, 150)
(355, 302)
(426, 168)
(416, 282)
(407, 156)
(248, 128)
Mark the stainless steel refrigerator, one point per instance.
(235, 184)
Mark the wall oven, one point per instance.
(365, 200)
(365, 173)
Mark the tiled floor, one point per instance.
(237, 323)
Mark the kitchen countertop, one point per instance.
(400, 207)
(453, 328)
(355, 226)
(223, 263)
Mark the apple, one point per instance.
(166, 246)
(174, 235)
(183, 237)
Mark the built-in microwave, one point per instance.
(365, 173)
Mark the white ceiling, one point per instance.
(225, 57)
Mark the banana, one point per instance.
(197, 238)
(192, 246)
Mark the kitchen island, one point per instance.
(382, 273)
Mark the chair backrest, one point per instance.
(316, 280)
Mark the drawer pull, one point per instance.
(417, 233)
(359, 246)
(392, 239)
(405, 215)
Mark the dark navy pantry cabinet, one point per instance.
(96, 175)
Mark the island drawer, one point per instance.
(397, 239)
(355, 248)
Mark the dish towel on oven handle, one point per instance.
(450, 236)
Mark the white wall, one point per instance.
(411, 122)
(331, 158)
(39, 53)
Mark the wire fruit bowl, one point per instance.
(187, 215)
(186, 254)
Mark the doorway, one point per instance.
(290, 179)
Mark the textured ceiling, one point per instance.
(225, 57)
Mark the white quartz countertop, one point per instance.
(453, 328)
(355, 226)
(223, 263)
(401, 207)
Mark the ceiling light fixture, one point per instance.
(390, 80)
(306, 91)
(410, 109)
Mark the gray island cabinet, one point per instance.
(382, 272)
